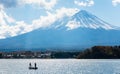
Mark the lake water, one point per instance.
(60, 66)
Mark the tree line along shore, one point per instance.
(95, 52)
(100, 52)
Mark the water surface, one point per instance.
(60, 66)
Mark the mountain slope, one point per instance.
(83, 19)
(85, 30)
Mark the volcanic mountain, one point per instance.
(81, 30)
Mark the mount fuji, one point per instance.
(81, 30)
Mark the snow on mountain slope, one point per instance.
(82, 19)
(85, 19)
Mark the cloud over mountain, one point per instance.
(40, 3)
(84, 2)
(49, 12)
(115, 2)
(20, 27)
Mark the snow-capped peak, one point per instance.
(85, 19)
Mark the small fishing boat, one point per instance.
(33, 68)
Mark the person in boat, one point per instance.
(35, 65)
(30, 65)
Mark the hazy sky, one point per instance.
(21, 16)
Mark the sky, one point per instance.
(22, 16)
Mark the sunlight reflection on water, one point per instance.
(60, 66)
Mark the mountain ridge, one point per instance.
(70, 36)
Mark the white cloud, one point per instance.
(72, 25)
(46, 21)
(84, 3)
(41, 3)
(10, 27)
(2, 21)
(20, 27)
(1, 7)
(4, 18)
(115, 2)
(17, 27)
(8, 18)
(46, 4)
